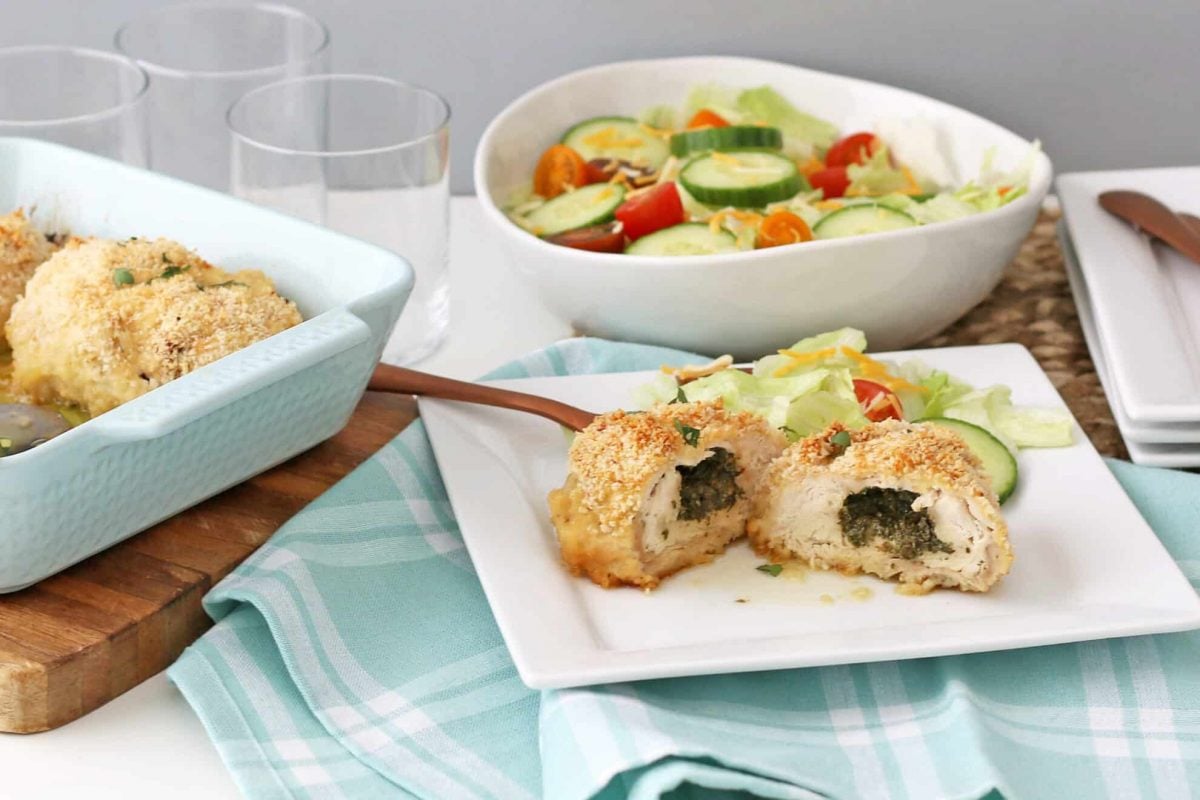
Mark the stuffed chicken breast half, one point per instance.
(22, 250)
(900, 500)
(649, 493)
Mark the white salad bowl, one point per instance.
(899, 286)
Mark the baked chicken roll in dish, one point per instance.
(649, 493)
(895, 499)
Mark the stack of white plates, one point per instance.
(1139, 303)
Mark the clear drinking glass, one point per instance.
(202, 57)
(364, 155)
(88, 99)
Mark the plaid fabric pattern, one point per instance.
(355, 657)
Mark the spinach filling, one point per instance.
(708, 486)
(887, 514)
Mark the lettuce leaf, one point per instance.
(661, 117)
(715, 97)
(877, 176)
(801, 132)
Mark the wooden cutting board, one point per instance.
(76, 640)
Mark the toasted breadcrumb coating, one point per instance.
(614, 465)
(22, 249)
(103, 322)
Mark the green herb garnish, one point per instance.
(680, 397)
(165, 259)
(690, 435)
(172, 271)
(840, 439)
(793, 434)
(122, 277)
(771, 569)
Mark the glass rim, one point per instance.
(276, 9)
(348, 77)
(87, 53)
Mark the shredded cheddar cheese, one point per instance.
(659, 132)
(878, 372)
(867, 367)
(609, 138)
(723, 158)
(810, 167)
(745, 217)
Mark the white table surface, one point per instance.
(148, 743)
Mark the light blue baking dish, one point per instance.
(188, 440)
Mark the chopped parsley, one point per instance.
(840, 439)
(165, 259)
(122, 277)
(690, 435)
(172, 271)
(680, 397)
(770, 569)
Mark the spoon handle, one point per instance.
(398, 380)
(1154, 218)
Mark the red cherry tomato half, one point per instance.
(878, 402)
(856, 148)
(651, 211)
(596, 238)
(833, 181)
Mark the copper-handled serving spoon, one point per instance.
(1180, 231)
(399, 380)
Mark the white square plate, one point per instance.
(1145, 297)
(1087, 565)
(1161, 444)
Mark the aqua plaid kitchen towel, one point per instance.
(355, 656)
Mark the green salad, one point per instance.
(736, 169)
(828, 378)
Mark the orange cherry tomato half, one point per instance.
(651, 211)
(878, 402)
(596, 238)
(707, 119)
(782, 227)
(856, 148)
(833, 181)
(559, 169)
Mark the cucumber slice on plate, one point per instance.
(998, 462)
(588, 205)
(855, 220)
(622, 138)
(687, 239)
(741, 178)
(731, 137)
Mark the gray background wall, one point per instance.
(1104, 84)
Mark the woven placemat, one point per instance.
(1033, 306)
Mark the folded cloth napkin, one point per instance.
(354, 656)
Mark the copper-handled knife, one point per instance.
(1181, 231)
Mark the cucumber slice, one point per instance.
(741, 178)
(588, 205)
(998, 462)
(730, 137)
(687, 239)
(861, 218)
(622, 138)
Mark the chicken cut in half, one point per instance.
(649, 493)
(901, 500)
